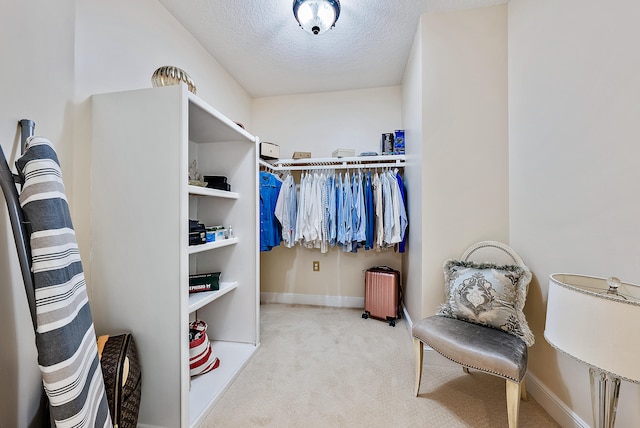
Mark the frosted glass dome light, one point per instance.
(316, 16)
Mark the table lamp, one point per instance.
(597, 322)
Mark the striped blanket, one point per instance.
(65, 336)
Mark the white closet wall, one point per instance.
(321, 123)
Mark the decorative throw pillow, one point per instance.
(488, 294)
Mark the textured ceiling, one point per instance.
(261, 45)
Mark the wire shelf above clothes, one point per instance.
(357, 162)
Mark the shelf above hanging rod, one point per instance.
(385, 161)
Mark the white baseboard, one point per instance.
(406, 316)
(552, 404)
(312, 299)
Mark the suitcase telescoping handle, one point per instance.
(389, 268)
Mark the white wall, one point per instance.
(37, 82)
(412, 101)
(119, 44)
(464, 163)
(573, 105)
(573, 90)
(55, 55)
(321, 123)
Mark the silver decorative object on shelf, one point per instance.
(170, 75)
(195, 178)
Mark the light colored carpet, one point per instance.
(329, 367)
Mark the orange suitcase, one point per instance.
(382, 294)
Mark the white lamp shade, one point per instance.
(594, 327)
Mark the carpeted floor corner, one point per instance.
(321, 367)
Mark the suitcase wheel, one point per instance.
(392, 321)
(365, 314)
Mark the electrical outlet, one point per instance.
(316, 266)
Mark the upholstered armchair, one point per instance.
(481, 324)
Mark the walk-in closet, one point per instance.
(324, 191)
(520, 127)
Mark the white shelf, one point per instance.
(198, 300)
(207, 125)
(356, 162)
(193, 249)
(149, 295)
(207, 388)
(205, 191)
(351, 159)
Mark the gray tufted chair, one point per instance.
(475, 346)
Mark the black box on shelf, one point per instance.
(217, 182)
(197, 233)
(209, 179)
(197, 238)
(204, 282)
(219, 186)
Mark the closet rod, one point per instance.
(320, 167)
(388, 161)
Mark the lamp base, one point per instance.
(605, 391)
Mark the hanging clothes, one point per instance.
(379, 216)
(317, 212)
(340, 215)
(396, 213)
(359, 234)
(347, 202)
(302, 200)
(353, 210)
(370, 217)
(286, 210)
(270, 228)
(404, 220)
(324, 206)
(331, 208)
(388, 217)
(309, 218)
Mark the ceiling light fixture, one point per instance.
(316, 16)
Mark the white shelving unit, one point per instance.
(205, 191)
(194, 249)
(143, 142)
(199, 300)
